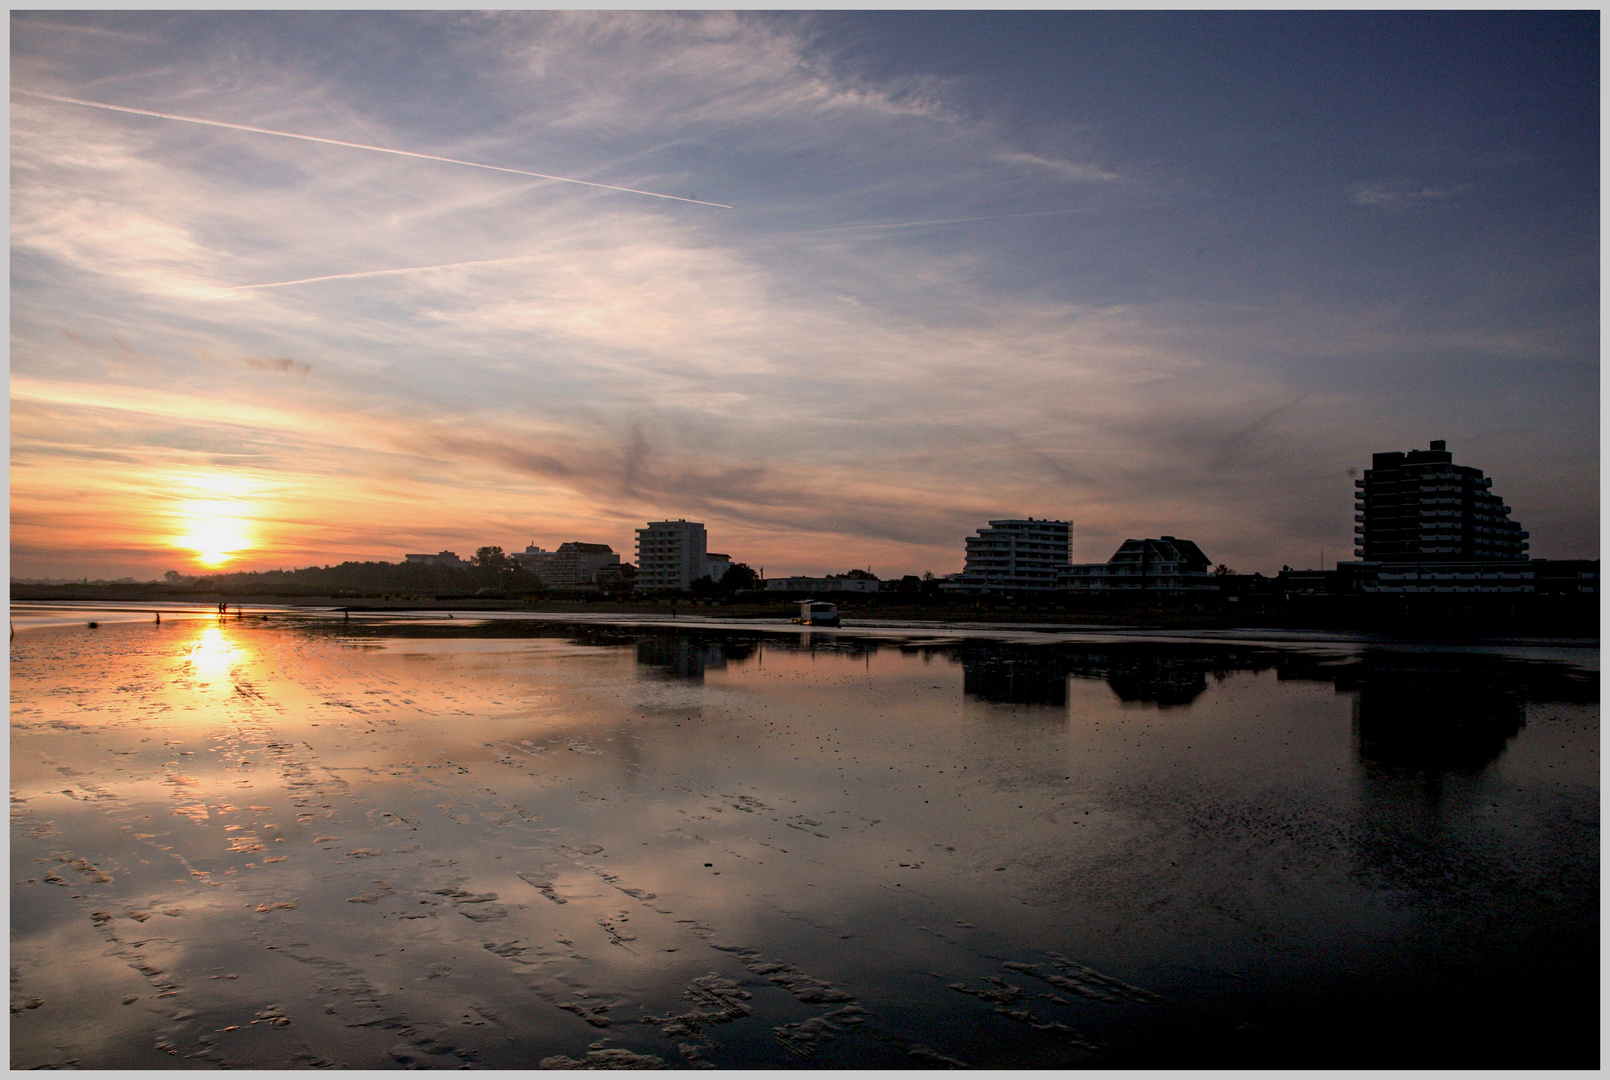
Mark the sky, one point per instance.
(843, 286)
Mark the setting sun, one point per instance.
(215, 535)
(217, 522)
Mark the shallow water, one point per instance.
(301, 841)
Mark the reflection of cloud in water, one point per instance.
(508, 854)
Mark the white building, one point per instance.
(574, 566)
(533, 558)
(441, 558)
(716, 565)
(1015, 555)
(670, 555)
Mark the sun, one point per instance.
(217, 527)
(213, 533)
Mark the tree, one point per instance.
(862, 575)
(616, 581)
(740, 578)
(1222, 571)
(491, 558)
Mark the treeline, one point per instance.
(490, 574)
(382, 578)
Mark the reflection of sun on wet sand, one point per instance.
(292, 844)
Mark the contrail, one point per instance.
(361, 146)
(399, 270)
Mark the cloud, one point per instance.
(281, 365)
(1078, 171)
(1397, 195)
(20, 24)
(829, 374)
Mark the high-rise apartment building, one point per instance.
(1421, 507)
(1014, 555)
(670, 555)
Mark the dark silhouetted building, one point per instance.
(1421, 507)
(1164, 565)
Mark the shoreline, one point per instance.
(1433, 619)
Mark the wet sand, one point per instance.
(302, 842)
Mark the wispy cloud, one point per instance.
(946, 221)
(1079, 171)
(1396, 195)
(20, 24)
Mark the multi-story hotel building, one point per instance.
(1015, 555)
(1421, 507)
(670, 555)
(1166, 564)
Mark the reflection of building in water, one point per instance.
(1036, 675)
(681, 656)
(1020, 677)
(689, 655)
(1432, 720)
(1158, 680)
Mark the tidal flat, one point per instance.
(288, 840)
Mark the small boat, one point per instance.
(817, 613)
